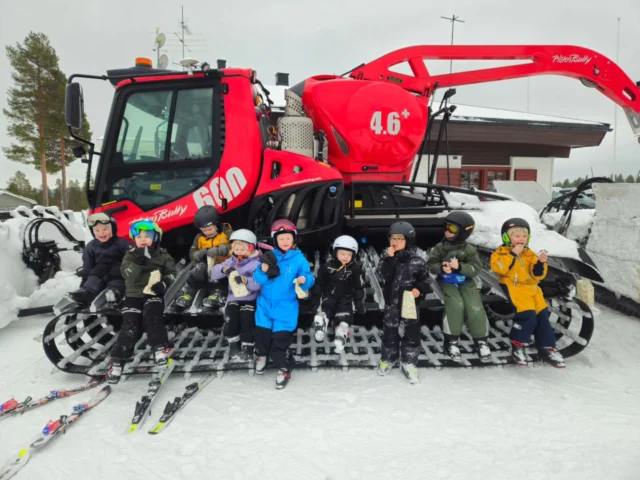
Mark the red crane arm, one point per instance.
(588, 66)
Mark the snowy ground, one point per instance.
(500, 423)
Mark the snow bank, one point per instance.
(581, 222)
(19, 287)
(490, 215)
(614, 243)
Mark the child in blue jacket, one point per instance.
(277, 305)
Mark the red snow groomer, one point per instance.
(342, 159)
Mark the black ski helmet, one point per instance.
(403, 228)
(205, 216)
(514, 223)
(460, 223)
(101, 218)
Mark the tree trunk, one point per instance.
(64, 199)
(43, 156)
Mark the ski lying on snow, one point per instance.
(143, 407)
(51, 430)
(13, 407)
(172, 408)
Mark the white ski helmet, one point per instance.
(345, 242)
(244, 235)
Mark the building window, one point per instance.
(482, 178)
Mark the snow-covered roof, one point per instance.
(7, 192)
(471, 113)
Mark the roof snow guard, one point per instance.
(485, 115)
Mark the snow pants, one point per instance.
(140, 313)
(275, 344)
(240, 321)
(462, 301)
(528, 323)
(338, 309)
(96, 284)
(407, 348)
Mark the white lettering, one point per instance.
(221, 188)
(573, 58)
(163, 214)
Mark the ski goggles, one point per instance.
(98, 219)
(147, 226)
(452, 228)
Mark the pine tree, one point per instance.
(566, 183)
(36, 107)
(630, 179)
(20, 185)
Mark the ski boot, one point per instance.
(320, 322)
(115, 371)
(82, 296)
(384, 367)
(342, 333)
(113, 297)
(518, 352)
(234, 348)
(551, 356)
(185, 299)
(213, 302)
(283, 377)
(452, 348)
(411, 372)
(483, 350)
(247, 352)
(261, 364)
(161, 354)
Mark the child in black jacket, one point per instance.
(338, 288)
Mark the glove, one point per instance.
(139, 257)
(100, 270)
(270, 259)
(227, 270)
(159, 288)
(361, 309)
(227, 230)
(212, 252)
(240, 280)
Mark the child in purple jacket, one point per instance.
(240, 311)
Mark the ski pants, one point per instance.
(529, 323)
(338, 309)
(462, 301)
(407, 348)
(240, 321)
(277, 345)
(96, 284)
(138, 313)
(198, 276)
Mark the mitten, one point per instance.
(159, 288)
(212, 252)
(139, 257)
(223, 250)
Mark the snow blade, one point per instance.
(50, 431)
(12, 407)
(13, 466)
(172, 408)
(143, 407)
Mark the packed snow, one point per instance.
(19, 285)
(614, 243)
(582, 422)
(580, 225)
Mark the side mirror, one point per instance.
(74, 105)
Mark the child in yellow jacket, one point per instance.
(212, 244)
(519, 270)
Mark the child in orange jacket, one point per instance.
(519, 270)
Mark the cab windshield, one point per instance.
(168, 144)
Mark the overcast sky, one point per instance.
(307, 37)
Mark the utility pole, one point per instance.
(453, 21)
(615, 107)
